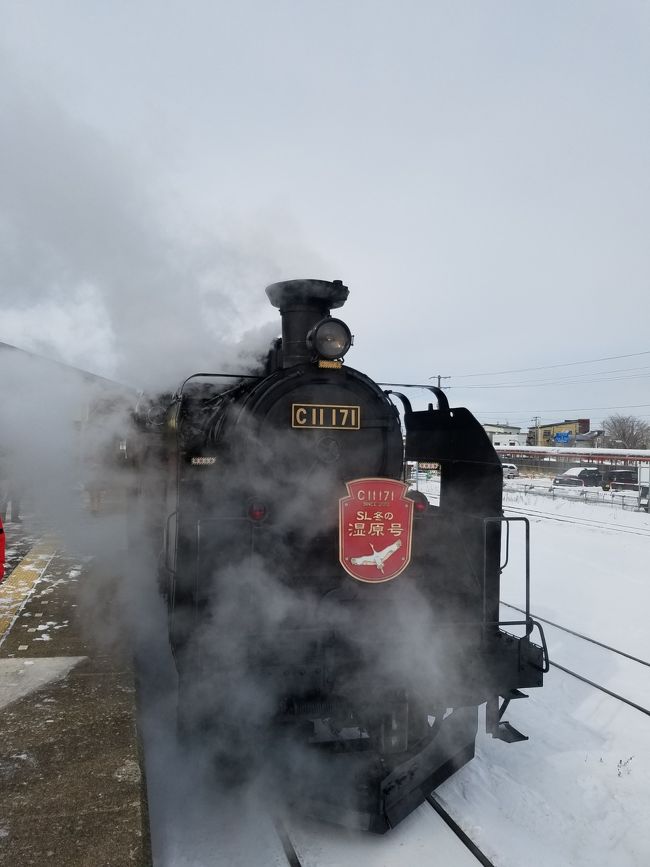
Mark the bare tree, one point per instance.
(626, 432)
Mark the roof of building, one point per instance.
(84, 374)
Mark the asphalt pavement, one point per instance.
(73, 789)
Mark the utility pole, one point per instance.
(536, 423)
(439, 378)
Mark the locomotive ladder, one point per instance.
(494, 724)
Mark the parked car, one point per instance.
(621, 480)
(510, 471)
(580, 477)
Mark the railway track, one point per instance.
(583, 522)
(480, 856)
(637, 663)
(287, 845)
(314, 845)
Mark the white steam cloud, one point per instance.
(104, 269)
(102, 265)
(100, 270)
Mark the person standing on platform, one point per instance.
(15, 500)
(10, 492)
(4, 484)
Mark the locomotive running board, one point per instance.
(502, 729)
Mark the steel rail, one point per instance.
(601, 688)
(580, 635)
(599, 644)
(481, 857)
(585, 522)
(588, 522)
(291, 855)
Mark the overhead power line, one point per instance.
(552, 366)
(556, 382)
(574, 376)
(519, 411)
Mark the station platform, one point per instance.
(71, 771)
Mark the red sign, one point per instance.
(375, 529)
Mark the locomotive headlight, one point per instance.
(330, 339)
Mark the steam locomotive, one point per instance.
(319, 609)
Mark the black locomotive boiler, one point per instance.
(320, 610)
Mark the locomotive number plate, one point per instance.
(325, 415)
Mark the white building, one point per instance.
(505, 435)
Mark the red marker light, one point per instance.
(257, 512)
(420, 502)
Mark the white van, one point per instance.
(510, 471)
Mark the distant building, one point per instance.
(505, 435)
(592, 438)
(561, 433)
(503, 440)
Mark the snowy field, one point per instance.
(577, 794)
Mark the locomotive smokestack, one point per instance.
(302, 304)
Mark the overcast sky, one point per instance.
(476, 172)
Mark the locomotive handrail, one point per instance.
(179, 392)
(528, 622)
(406, 403)
(441, 397)
(503, 565)
(546, 662)
(443, 403)
(166, 540)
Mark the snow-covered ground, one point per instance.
(578, 792)
(591, 578)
